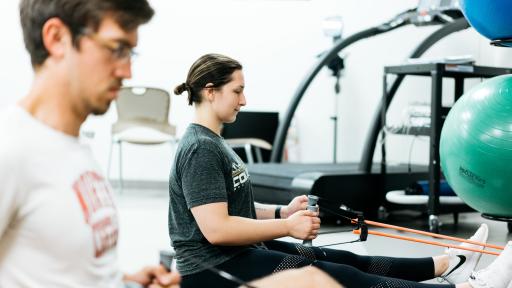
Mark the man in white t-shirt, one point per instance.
(58, 220)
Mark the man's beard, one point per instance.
(97, 111)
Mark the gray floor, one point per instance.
(144, 232)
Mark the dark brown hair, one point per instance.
(210, 68)
(77, 15)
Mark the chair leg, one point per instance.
(248, 153)
(259, 157)
(173, 150)
(120, 167)
(109, 160)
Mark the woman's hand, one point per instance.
(303, 225)
(298, 203)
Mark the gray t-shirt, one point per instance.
(205, 170)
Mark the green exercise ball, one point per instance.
(476, 147)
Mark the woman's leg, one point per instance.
(413, 269)
(249, 265)
(257, 263)
(455, 266)
(350, 276)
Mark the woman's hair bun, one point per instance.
(181, 88)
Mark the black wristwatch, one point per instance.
(277, 212)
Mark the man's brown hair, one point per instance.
(77, 15)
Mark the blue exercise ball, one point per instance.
(476, 147)
(491, 18)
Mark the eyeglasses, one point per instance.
(120, 51)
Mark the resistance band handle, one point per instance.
(166, 257)
(312, 206)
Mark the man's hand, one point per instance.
(155, 277)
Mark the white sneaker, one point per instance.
(463, 262)
(498, 274)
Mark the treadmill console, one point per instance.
(431, 12)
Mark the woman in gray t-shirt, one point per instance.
(214, 222)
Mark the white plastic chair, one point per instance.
(248, 144)
(142, 118)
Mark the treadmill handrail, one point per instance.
(282, 130)
(373, 134)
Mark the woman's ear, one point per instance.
(209, 92)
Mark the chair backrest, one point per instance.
(142, 106)
(252, 124)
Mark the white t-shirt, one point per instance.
(58, 221)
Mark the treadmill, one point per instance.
(361, 185)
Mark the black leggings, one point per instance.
(349, 269)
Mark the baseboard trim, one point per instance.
(140, 184)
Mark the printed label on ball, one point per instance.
(471, 177)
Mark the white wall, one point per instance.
(277, 42)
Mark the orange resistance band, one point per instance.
(358, 231)
(434, 235)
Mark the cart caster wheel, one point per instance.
(509, 224)
(382, 213)
(433, 223)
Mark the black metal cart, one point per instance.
(437, 72)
